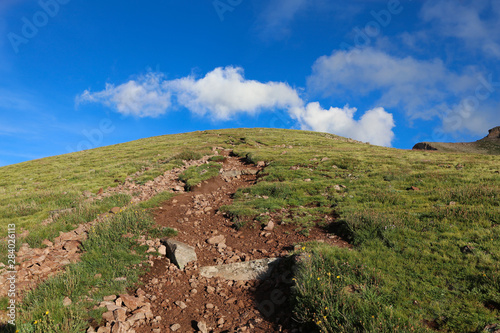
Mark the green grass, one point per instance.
(406, 266)
(105, 248)
(196, 174)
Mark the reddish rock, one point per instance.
(131, 302)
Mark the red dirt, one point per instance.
(254, 306)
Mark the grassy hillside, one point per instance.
(424, 225)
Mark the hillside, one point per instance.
(487, 145)
(370, 239)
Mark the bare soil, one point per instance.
(225, 306)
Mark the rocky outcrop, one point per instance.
(487, 145)
(423, 146)
(494, 133)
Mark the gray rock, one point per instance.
(241, 271)
(231, 173)
(181, 254)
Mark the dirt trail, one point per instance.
(184, 298)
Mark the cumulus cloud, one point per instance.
(422, 89)
(374, 126)
(144, 97)
(224, 92)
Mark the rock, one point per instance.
(261, 164)
(467, 249)
(269, 226)
(178, 188)
(104, 330)
(241, 271)
(181, 254)
(181, 304)
(91, 330)
(175, 327)
(115, 210)
(72, 246)
(202, 326)
(231, 173)
(209, 306)
(67, 301)
(120, 327)
(47, 243)
(413, 188)
(220, 239)
(120, 314)
(136, 316)
(162, 250)
(423, 146)
(109, 298)
(132, 302)
(108, 316)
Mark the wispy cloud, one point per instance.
(274, 21)
(475, 22)
(143, 97)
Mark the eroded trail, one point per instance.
(181, 300)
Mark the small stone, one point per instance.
(210, 289)
(181, 304)
(98, 276)
(47, 243)
(209, 306)
(162, 250)
(131, 302)
(269, 226)
(220, 239)
(307, 179)
(108, 316)
(202, 327)
(115, 210)
(120, 314)
(175, 327)
(67, 301)
(109, 298)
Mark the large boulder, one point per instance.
(179, 253)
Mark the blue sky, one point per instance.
(82, 74)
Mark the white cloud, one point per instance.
(224, 92)
(375, 126)
(144, 97)
(422, 89)
(475, 22)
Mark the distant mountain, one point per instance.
(487, 145)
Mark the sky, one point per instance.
(78, 75)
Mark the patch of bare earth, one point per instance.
(184, 298)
